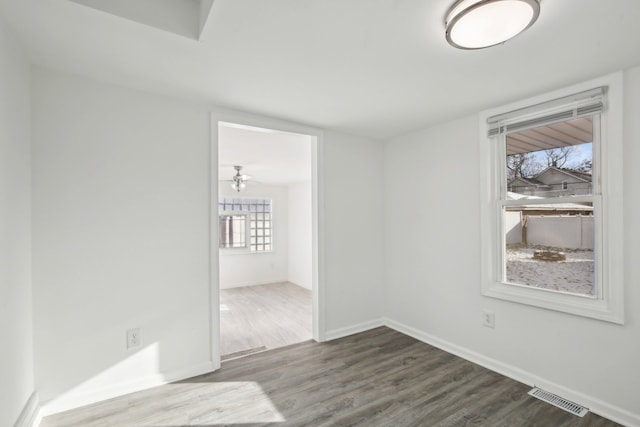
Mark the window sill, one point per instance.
(581, 305)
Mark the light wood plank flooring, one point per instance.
(376, 378)
(255, 318)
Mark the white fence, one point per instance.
(570, 232)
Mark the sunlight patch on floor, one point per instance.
(242, 402)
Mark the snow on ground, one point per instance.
(575, 275)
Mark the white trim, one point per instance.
(255, 283)
(354, 329)
(595, 405)
(317, 237)
(608, 305)
(317, 200)
(31, 414)
(75, 400)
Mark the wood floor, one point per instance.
(376, 378)
(255, 318)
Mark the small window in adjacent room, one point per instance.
(246, 224)
(233, 231)
(551, 233)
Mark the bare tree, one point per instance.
(585, 166)
(558, 157)
(523, 165)
(515, 163)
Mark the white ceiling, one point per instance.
(269, 157)
(377, 68)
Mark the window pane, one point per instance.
(551, 161)
(232, 231)
(550, 246)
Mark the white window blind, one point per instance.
(570, 107)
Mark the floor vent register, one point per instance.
(558, 401)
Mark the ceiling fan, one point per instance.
(238, 180)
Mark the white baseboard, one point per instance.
(76, 400)
(354, 329)
(251, 283)
(31, 414)
(595, 405)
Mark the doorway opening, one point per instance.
(266, 239)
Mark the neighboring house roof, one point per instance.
(580, 176)
(585, 176)
(527, 181)
(538, 180)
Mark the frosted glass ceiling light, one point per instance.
(476, 24)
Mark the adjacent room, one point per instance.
(265, 239)
(287, 213)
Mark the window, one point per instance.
(246, 223)
(551, 202)
(233, 231)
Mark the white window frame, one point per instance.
(608, 304)
(247, 214)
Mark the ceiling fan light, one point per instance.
(476, 24)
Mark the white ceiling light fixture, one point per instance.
(476, 24)
(238, 181)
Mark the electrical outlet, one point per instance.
(133, 337)
(488, 318)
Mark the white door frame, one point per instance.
(317, 221)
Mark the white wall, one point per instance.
(353, 230)
(121, 189)
(120, 217)
(16, 354)
(249, 269)
(433, 270)
(299, 268)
